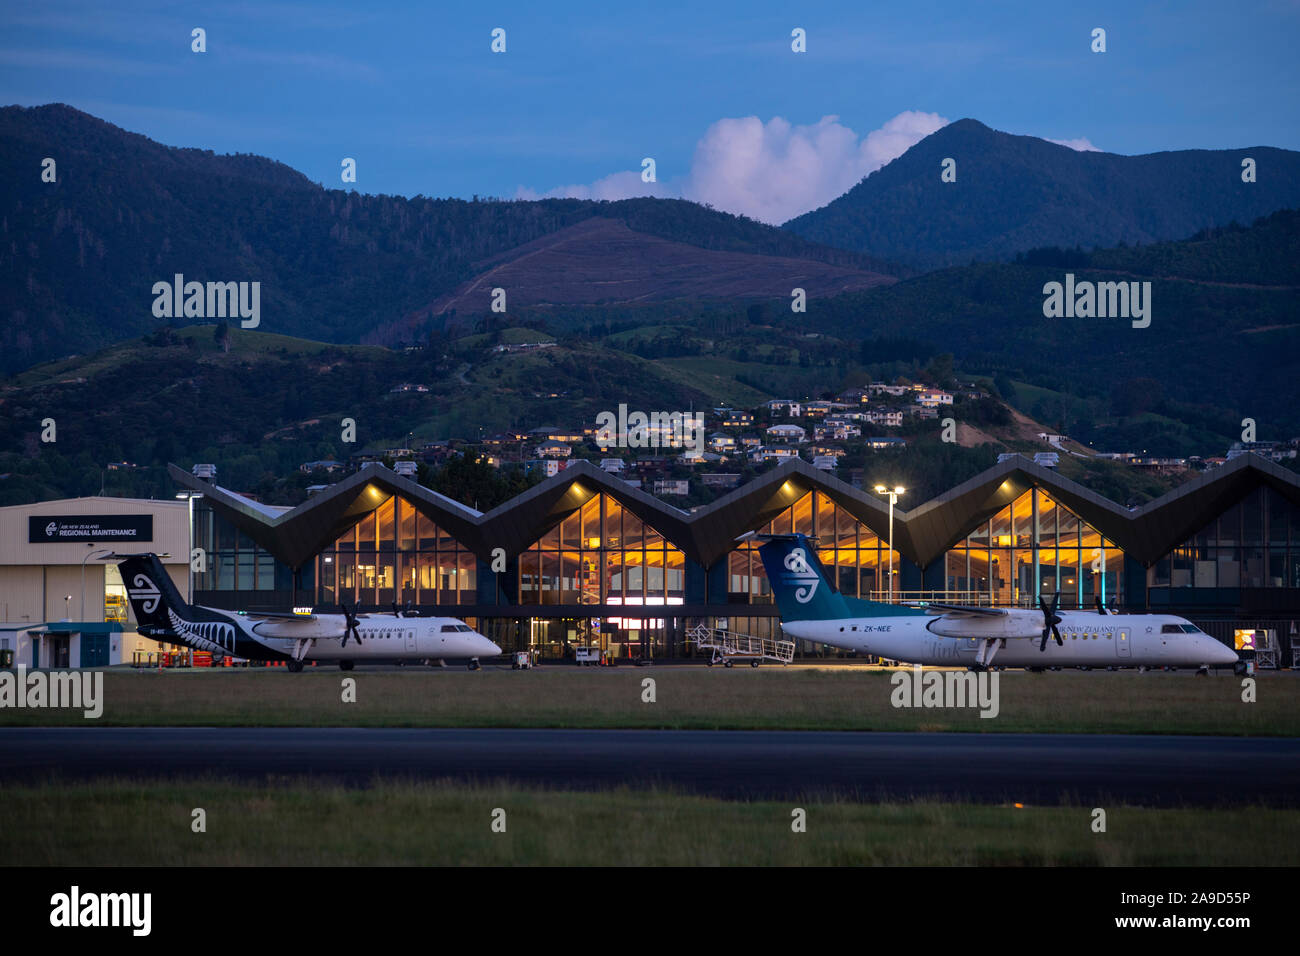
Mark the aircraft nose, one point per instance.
(1221, 653)
(490, 648)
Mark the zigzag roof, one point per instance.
(708, 534)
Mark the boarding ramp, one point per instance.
(728, 646)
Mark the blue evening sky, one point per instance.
(585, 90)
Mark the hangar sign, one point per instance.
(52, 528)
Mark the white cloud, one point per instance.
(1080, 144)
(770, 171)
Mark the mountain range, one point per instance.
(1014, 193)
(79, 256)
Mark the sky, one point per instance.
(712, 92)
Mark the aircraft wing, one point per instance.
(283, 615)
(965, 610)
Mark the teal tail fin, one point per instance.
(803, 590)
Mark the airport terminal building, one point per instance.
(585, 559)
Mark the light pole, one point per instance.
(893, 498)
(189, 559)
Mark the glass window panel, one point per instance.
(409, 591)
(1252, 519)
(325, 577)
(591, 533)
(265, 572)
(633, 530)
(1230, 527)
(367, 576)
(1022, 512)
(366, 533)
(674, 575)
(1046, 520)
(406, 526)
(570, 529)
(801, 511)
(428, 533)
(530, 577)
(385, 578)
(467, 573)
(1001, 529)
(386, 527)
(654, 577)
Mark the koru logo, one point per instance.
(146, 592)
(50, 529)
(796, 562)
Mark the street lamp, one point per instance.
(893, 494)
(189, 560)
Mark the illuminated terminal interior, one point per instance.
(585, 560)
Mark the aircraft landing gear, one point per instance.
(1203, 671)
(753, 663)
(474, 664)
(295, 667)
(346, 665)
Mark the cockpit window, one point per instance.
(464, 627)
(1191, 629)
(1170, 629)
(449, 628)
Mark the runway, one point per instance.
(1028, 768)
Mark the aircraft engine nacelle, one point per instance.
(1015, 623)
(320, 627)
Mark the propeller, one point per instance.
(350, 625)
(1101, 608)
(1050, 620)
(396, 612)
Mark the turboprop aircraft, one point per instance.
(974, 636)
(302, 635)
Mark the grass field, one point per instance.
(400, 823)
(797, 698)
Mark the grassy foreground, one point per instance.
(686, 698)
(399, 823)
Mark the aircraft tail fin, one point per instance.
(798, 580)
(150, 589)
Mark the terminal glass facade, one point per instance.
(395, 554)
(232, 562)
(853, 554)
(1035, 546)
(1254, 544)
(602, 554)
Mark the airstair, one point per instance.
(728, 646)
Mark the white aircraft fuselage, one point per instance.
(1088, 639)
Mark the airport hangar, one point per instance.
(62, 601)
(585, 559)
